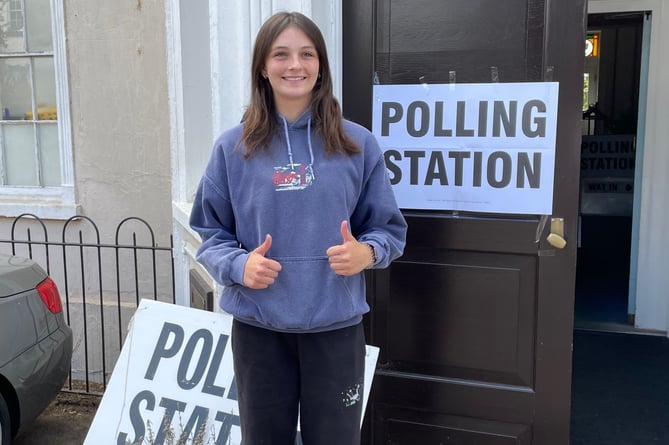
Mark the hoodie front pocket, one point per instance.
(307, 294)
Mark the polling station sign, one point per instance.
(174, 381)
(472, 147)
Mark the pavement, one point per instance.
(65, 421)
(619, 397)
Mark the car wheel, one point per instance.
(5, 426)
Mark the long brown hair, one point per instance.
(259, 122)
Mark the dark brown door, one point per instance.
(474, 322)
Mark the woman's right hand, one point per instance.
(260, 272)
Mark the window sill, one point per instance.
(181, 214)
(45, 203)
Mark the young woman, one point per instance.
(293, 206)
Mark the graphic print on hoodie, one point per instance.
(294, 176)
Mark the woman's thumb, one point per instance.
(264, 247)
(345, 234)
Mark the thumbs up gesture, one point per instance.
(260, 272)
(350, 257)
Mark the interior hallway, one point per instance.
(620, 386)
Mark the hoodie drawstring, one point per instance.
(290, 150)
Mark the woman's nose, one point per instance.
(294, 61)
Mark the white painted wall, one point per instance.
(652, 280)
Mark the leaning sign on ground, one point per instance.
(174, 381)
(472, 147)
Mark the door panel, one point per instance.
(428, 41)
(406, 426)
(474, 322)
(450, 296)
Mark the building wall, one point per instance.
(120, 131)
(116, 64)
(120, 126)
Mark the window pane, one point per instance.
(19, 145)
(49, 152)
(11, 26)
(15, 88)
(45, 88)
(38, 21)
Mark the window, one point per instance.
(35, 147)
(15, 16)
(591, 113)
(592, 45)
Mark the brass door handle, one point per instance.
(556, 237)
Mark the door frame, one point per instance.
(649, 235)
(638, 171)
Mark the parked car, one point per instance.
(35, 344)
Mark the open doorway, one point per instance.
(608, 164)
(615, 379)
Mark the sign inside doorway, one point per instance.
(174, 381)
(607, 174)
(474, 147)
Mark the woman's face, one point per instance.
(292, 67)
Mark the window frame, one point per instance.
(13, 24)
(57, 202)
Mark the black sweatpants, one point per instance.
(318, 374)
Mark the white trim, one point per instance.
(181, 214)
(337, 45)
(46, 203)
(638, 171)
(62, 93)
(181, 268)
(177, 146)
(230, 85)
(328, 17)
(602, 6)
(215, 56)
(175, 97)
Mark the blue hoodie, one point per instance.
(300, 195)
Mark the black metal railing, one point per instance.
(100, 282)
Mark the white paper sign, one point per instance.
(175, 376)
(478, 147)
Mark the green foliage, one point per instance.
(586, 89)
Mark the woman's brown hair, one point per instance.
(259, 121)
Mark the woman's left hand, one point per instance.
(350, 257)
